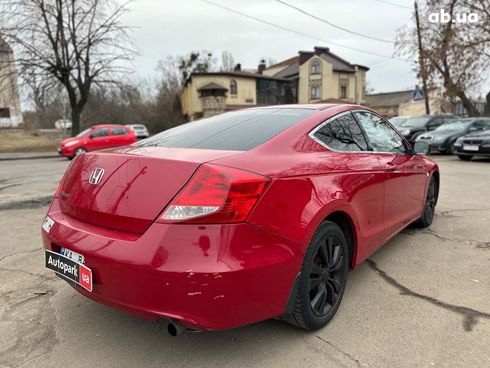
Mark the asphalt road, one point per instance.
(423, 300)
(29, 181)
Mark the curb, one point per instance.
(13, 158)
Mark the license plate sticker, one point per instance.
(48, 224)
(470, 148)
(69, 269)
(74, 256)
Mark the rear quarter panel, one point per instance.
(326, 183)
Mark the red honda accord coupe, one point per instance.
(238, 218)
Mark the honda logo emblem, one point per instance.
(96, 176)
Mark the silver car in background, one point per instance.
(139, 130)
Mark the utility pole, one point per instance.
(421, 61)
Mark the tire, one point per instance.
(465, 158)
(429, 205)
(80, 151)
(451, 150)
(322, 279)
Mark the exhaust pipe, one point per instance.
(174, 328)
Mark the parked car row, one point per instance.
(448, 134)
(415, 126)
(443, 138)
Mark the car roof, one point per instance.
(313, 106)
(108, 126)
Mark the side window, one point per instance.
(435, 122)
(342, 134)
(233, 87)
(343, 84)
(315, 67)
(102, 132)
(119, 131)
(381, 135)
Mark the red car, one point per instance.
(240, 217)
(96, 138)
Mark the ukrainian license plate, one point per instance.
(470, 148)
(69, 269)
(74, 256)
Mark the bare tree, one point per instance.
(78, 43)
(455, 46)
(195, 62)
(42, 91)
(227, 61)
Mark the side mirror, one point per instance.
(421, 148)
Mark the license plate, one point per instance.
(74, 256)
(470, 148)
(69, 269)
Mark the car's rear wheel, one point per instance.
(323, 277)
(429, 205)
(465, 158)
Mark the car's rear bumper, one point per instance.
(204, 276)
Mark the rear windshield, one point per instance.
(236, 131)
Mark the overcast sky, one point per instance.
(165, 28)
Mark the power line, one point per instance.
(300, 33)
(331, 24)
(394, 4)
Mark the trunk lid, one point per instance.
(134, 187)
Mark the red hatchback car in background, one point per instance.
(96, 138)
(238, 218)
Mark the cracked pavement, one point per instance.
(422, 300)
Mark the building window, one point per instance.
(344, 92)
(315, 67)
(233, 87)
(4, 113)
(315, 93)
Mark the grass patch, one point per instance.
(12, 141)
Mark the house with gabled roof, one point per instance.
(323, 76)
(309, 77)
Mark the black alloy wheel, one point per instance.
(326, 276)
(429, 206)
(323, 278)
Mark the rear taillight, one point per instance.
(216, 194)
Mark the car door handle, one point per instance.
(390, 167)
